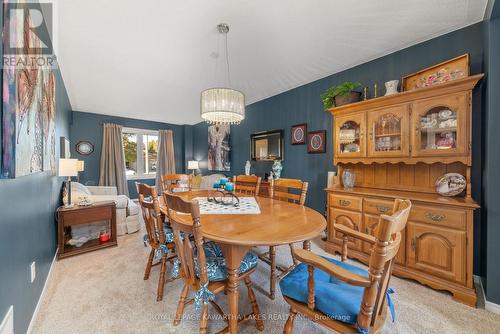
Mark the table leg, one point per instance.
(307, 245)
(233, 255)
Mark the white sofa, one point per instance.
(127, 212)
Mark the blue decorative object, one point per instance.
(223, 193)
(229, 186)
(216, 185)
(333, 297)
(277, 167)
(223, 181)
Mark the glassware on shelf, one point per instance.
(349, 137)
(438, 129)
(348, 178)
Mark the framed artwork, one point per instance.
(84, 147)
(299, 132)
(64, 148)
(449, 70)
(316, 141)
(219, 147)
(28, 107)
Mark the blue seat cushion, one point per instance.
(338, 300)
(216, 266)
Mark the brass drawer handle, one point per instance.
(436, 217)
(344, 202)
(382, 209)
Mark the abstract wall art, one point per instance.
(28, 97)
(219, 148)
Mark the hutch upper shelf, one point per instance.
(426, 125)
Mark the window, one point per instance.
(141, 148)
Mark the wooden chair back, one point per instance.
(150, 207)
(381, 262)
(184, 217)
(247, 184)
(281, 189)
(171, 182)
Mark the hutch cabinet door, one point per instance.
(439, 126)
(350, 131)
(388, 132)
(370, 224)
(348, 218)
(437, 250)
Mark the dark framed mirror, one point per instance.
(267, 145)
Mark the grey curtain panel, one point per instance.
(112, 167)
(165, 163)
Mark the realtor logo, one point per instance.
(28, 35)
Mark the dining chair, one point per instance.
(176, 182)
(203, 272)
(292, 191)
(341, 296)
(247, 184)
(159, 237)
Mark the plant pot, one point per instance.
(352, 97)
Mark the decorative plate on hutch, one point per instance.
(451, 184)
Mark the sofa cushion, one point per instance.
(77, 187)
(120, 200)
(133, 208)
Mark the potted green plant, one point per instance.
(342, 94)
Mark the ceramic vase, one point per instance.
(391, 87)
(348, 178)
(277, 167)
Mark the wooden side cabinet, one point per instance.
(77, 215)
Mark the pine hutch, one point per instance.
(397, 146)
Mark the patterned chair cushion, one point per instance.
(337, 299)
(216, 266)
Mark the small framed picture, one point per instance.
(299, 134)
(64, 148)
(316, 141)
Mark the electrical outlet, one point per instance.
(33, 271)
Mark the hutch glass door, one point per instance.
(440, 127)
(350, 136)
(388, 136)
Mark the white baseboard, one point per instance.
(492, 307)
(37, 308)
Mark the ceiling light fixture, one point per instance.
(223, 105)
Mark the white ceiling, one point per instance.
(150, 59)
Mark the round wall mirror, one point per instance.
(84, 147)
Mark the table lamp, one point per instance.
(193, 165)
(69, 168)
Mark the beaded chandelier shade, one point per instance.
(223, 105)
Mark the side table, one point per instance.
(83, 215)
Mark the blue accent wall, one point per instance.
(303, 105)
(28, 227)
(88, 126)
(491, 172)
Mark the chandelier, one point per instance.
(221, 105)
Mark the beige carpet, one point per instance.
(104, 292)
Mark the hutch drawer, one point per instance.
(378, 206)
(346, 202)
(439, 216)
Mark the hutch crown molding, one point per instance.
(397, 146)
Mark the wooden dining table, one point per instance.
(279, 223)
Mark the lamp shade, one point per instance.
(222, 106)
(193, 164)
(81, 165)
(68, 167)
